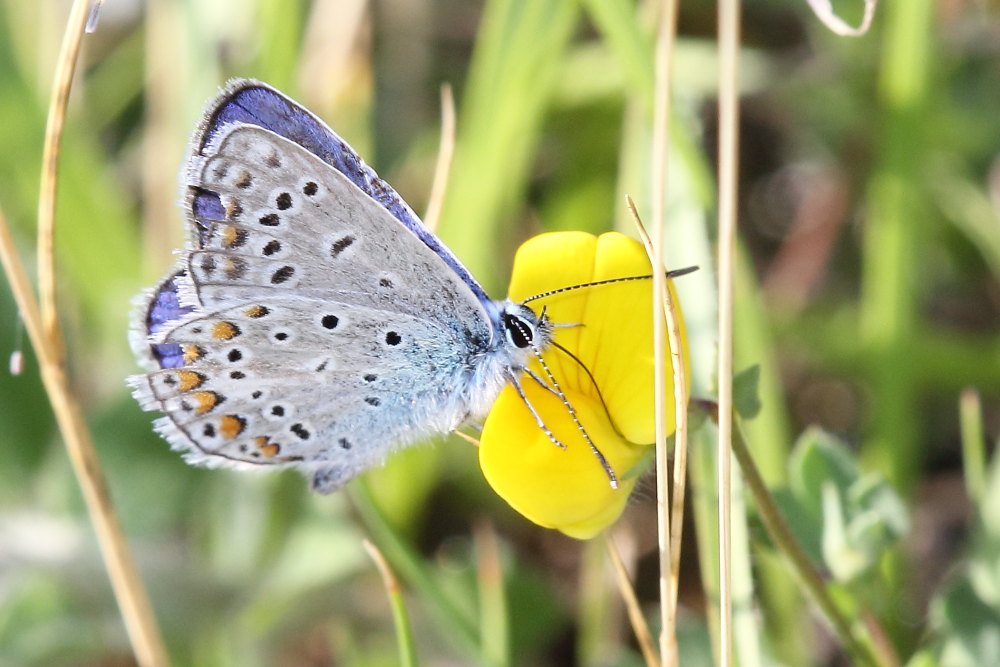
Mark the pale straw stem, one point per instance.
(133, 601)
(446, 151)
(729, 36)
(48, 181)
(680, 413)
(635, 616)
(666, 32)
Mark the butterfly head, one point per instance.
(523, 329)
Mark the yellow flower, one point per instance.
(567, 489)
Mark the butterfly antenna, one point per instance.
(576, 420)
(593, 382)
(670, 274)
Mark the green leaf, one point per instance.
(746, 398)
(850, 520)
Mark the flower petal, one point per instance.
(616, 341)
(568, 489)
(557, 488)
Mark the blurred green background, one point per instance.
(868, 294)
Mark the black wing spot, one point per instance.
(257, 394)
(269, 220)
(340, 245)
(237, 375)
(271, 248)
(283, 201)
(344, 443)
(273, 161)
(385, 282)
(300, 431)
(281, 335)
(310, 189)
(282, 274)
(370, 377)
(278, 410)
(373, 401)
(234, 355)
(208, 431)
(393, 338)
(330, 321)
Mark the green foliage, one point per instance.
(965, 616)
(846, 520)
(863, 313)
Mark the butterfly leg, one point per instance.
(542, 383)
(534, 413)
(612, 479)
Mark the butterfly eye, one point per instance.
(519, 332)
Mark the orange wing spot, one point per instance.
(269, 449)
(189, 380)
(228, 236)
(193, 353)
(206, 400)
(231, 426)
(255, 311)
(225, 330)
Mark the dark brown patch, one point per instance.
(272, 247)
(269, 220)
(244, 181)
(235, 268)
(340, 245)
(310, 189)
(282, 274)
(283, 201)
(208, 264)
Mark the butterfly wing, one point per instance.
(254, 103)
(307, 325)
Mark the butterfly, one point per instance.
(313, 322)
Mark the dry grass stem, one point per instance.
(729, 42)
(824, 12)
(639, 626)
(465, 436)
(680, 412)
(388, 578)
(133, 601)
(49, 180)
(666, 36)
(446, 151)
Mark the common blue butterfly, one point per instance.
(312, 322)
